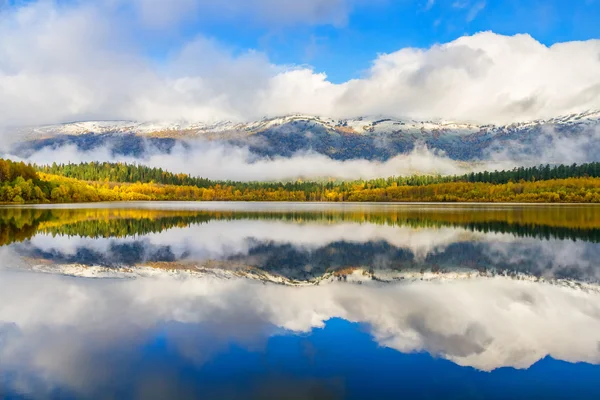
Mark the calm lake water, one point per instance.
(300, 301)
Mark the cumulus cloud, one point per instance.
(83, 62)
(484, 77)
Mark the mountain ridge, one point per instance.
(361, 125)
(367, 138)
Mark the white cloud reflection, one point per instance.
(76, 332)
(219, 239)
(239, 239)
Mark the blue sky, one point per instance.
(345, 49)
(485, 61)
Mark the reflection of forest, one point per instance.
(544, 222)
(18, 224)
(301, 263)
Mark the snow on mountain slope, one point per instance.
(565, 139)
(361, 125)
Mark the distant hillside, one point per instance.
(360, 138)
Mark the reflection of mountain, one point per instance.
(569, 222)
(293, 254)
(483, 287)
(309, 246)
(383, 261)
(350, 275)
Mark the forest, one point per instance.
(131, 173)
(95, 182)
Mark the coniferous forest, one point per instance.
(91, 182)
(121, 172)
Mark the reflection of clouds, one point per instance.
(548, 258)
(219, 239)
(69, 245)
(86, 334)
(241, 240)
(79, 332)
(490, 323)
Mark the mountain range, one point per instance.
(371, 138)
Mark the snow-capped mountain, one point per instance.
(360, 125)
(372, 138)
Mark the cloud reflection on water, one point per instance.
(86, 336)
(56, 325)
(307, 250)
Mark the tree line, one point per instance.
(122, 172)
(131, 173)
(536, 173)
(91, 182)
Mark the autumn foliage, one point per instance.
(22, 183)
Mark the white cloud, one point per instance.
(82, 62)
(484, 77)
(549, 147)
(217, 161)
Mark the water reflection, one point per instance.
(313, 302)
(119, 220)
(307, 246)
(86, 335)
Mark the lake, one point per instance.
(300, 301)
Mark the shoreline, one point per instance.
(474, 204)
